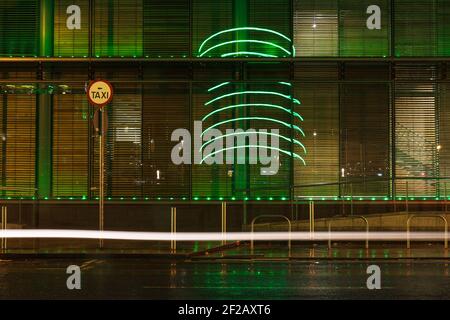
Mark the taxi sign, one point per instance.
(100, 93)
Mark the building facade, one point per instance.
(370, 79)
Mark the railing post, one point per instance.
(311, 220)
(445, 197)
(351, 199)
(4, 225)
(224, 222)
(407, 196)
(408, 227)
(252, 229)
(173, 229)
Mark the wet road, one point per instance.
(238, 279)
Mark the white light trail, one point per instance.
(218, 236)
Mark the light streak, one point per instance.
(218, 236)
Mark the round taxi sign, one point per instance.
(100, 93)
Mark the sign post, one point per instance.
(100, 93)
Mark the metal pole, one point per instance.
(351, 199)
(224, 222)
(101, 173)
(311, 219)
(445, 197)
(407, 196)
(3, 227)
(5, 241)
(173, 229)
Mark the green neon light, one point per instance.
(266, 133)
(292, 154)
(296, 101)
(218, 86)
(249, 53)
(241, 29)
(285, 83)
(274, 106)
(291, 126)
(245, 41)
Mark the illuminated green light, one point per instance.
(109, 198)
(218, 86)
(245, 41)
(134, 198)
(208, 198)
(159, 198)
(246, 198)
(245, 133)
(242, 29)
(290, 126)
(263, 105)
(70, 198)
(146, 198)
(373, 199)
(83, 197)
(233, 198)
(292, 154)
(258, 198)
(221, 198)
(196, 198)
(121, 198)
(288, 97)
(270, 198)
(285, 83)
(283, 198)
(46, 198)
(249, 53)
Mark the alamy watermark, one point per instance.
(234, 146)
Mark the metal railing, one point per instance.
(364, 219)
(173, 229)
(399, 190)
(4, 243)
(252, 246)
(408, 226)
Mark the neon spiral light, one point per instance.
(255, 146)
(273, 106)
(241, 101)
(290, 126)
(245, 133)
(242, 29)
(296, 101)
(277, 41)
(248, 53)
(245, 41)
